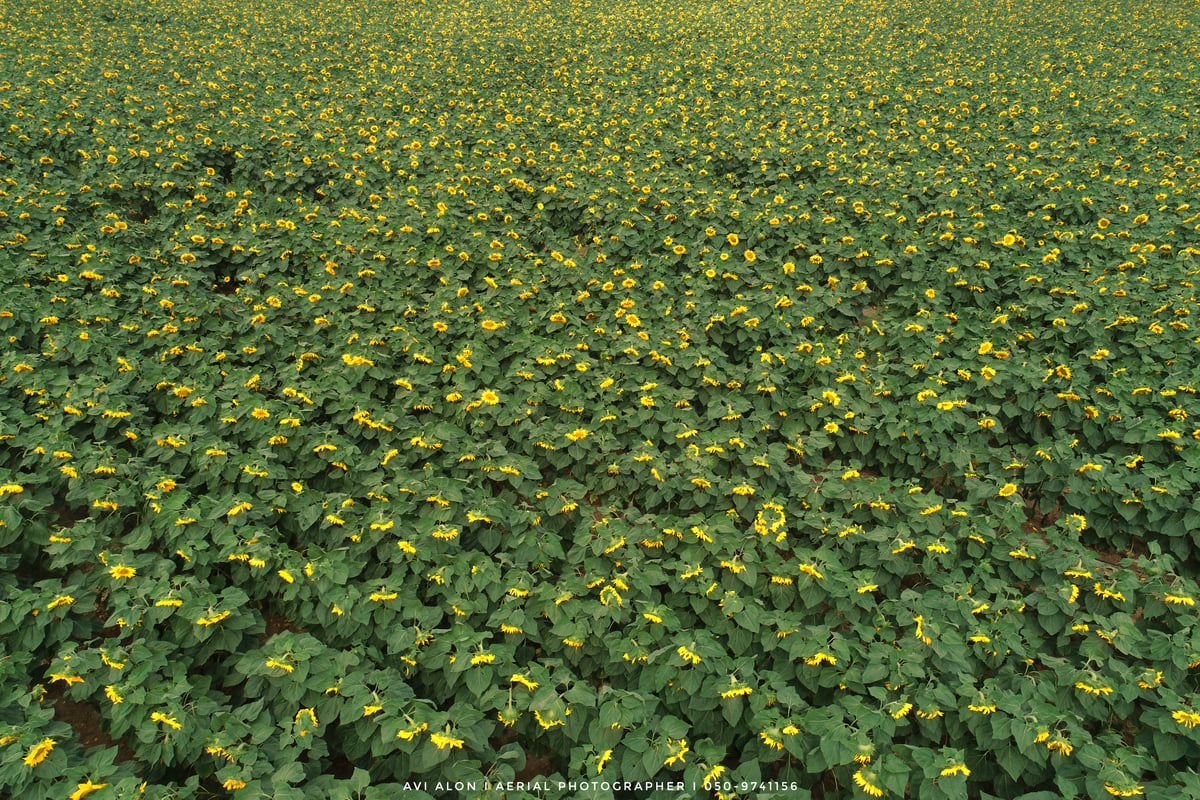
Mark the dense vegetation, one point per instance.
(615, 391)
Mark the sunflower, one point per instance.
(37, 754)
(86, 788)
(1188, 719)
(679, 750)
(866, 782)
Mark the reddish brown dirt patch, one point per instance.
(85, 720)
(539, 765)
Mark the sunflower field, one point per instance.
(583, 398)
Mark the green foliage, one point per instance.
(793, 399)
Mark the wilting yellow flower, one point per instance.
(219, 751)
(1089, 689)
(550, 720)
(714, 773)
(1150, 679)
(86, 788)
(526, 682)
(955, 769)
(158, 716)
(677, 755)
(410, 733)
(1060, 745)
(771, 741)
(67, 679)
